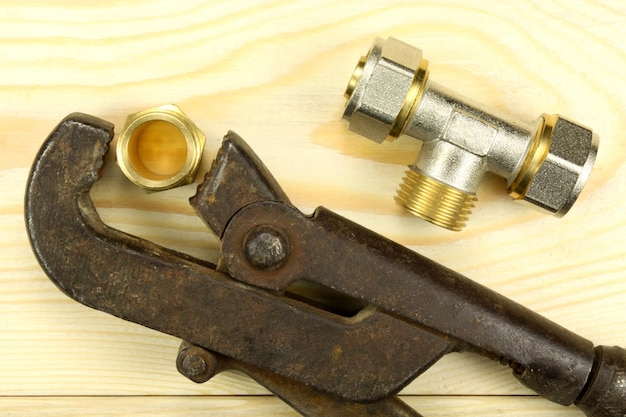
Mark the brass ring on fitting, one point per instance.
(413, 97)
(356, 76)
(534, 158)
(160, 148)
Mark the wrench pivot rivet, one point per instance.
(266, 247)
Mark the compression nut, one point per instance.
(565, 153)
(160, 148)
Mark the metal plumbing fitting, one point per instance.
(160, 148)
(546, 162)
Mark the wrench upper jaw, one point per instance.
(237, 178)
(79, 253)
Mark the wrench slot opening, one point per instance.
(325, 298)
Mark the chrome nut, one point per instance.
(566, 168)
(379, 87)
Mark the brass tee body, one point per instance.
(546, 162)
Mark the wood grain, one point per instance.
(231, 406)
(275, 72)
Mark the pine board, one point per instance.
(275, 73)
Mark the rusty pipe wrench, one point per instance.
(264, 308)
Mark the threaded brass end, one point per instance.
(435, 201)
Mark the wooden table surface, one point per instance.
(275, 73)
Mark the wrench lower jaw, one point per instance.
(237, 178)
(199, 365)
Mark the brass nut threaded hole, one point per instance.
(435, 201)
(157, 150)
(160, 148)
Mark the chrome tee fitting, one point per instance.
(546, 162)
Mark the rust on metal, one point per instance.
(380, 316)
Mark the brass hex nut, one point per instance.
(160, 148)
(566, 168)
(379, 87)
